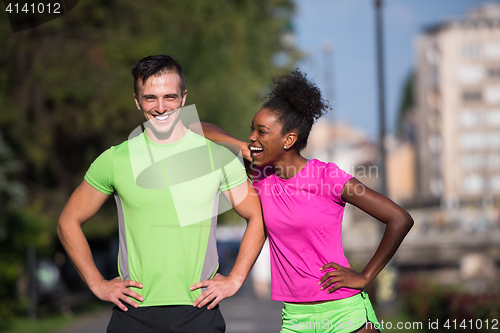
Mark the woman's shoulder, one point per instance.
(328, 169)
(321, 165)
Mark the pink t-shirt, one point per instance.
(303, 217)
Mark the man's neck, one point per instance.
(177, 133)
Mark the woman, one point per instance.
(303, 203)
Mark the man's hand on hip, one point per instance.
(116, 291)
(218, 288)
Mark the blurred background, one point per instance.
(415, 93)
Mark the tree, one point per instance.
(66, 88)
(405, 126)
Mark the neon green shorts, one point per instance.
(340, 316)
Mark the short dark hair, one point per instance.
(157, 65)
(297, 103)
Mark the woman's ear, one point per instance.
(290, 140)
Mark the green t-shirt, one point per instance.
(167, 197)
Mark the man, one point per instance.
(166, 182)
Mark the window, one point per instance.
(436, 187)
(472, 51)
(473, 183)
(470, 118)
(492, 95)
(492, 50)
(472, 140)
(471, 74)
(495, 184)
(432, 55)
(434, 121)
(473, 162)
(435, 76)
(434, 143)
(493, 118)
(494, 140)
(472, 96)
(494, 73)
(494, 162)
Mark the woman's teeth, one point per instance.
(256, 150)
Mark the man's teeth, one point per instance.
(256, 149)
(161, 118)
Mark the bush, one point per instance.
(424, 301)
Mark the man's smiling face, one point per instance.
(160, 98)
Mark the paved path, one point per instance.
(243, 313)
(90, 323)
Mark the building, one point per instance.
(350, 149)
(400, 164)
(458, 109)
(346, 146)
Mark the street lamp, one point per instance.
(386, 280)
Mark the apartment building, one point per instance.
(458, 108)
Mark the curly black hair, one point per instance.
(297, 102)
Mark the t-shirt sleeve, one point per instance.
(336, 178)
(100, 175)
(233, 171)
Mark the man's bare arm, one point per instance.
(249, 208)
(81, 206)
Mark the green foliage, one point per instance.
(425, 301)
(407, 101)
(67, 95)
(41, 325)
(67, 85)
(12, 197)
(20, 229)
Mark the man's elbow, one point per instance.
(59, 228)
(63, 228)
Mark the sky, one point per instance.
(349, 25)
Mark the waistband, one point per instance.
(327, 306)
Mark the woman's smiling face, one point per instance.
(266, 140)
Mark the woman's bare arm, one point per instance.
(215, 133)
(398, 222)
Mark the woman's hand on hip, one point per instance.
(341, 277)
